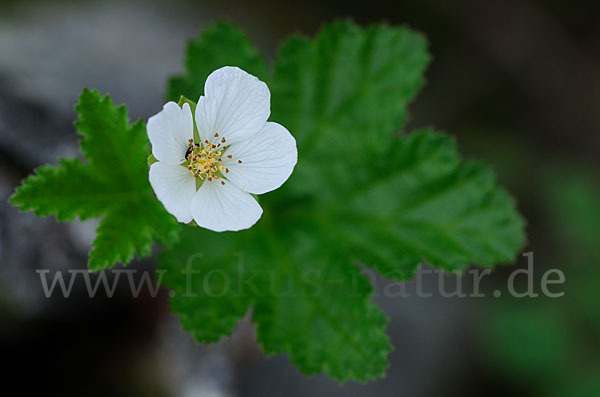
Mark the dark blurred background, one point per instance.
(518, 84)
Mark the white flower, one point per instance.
(239, 153)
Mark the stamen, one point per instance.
(204, 160)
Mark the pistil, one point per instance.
(203, 159)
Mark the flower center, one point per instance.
(205, 159)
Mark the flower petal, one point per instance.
(235, 105)
(175, 187)
(267, 159)
(222, 208)
(169, 131)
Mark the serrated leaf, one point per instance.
(308, 301)
(221, 44)
(427, 204)
(396, 202)
(67, 191)
(316, 306)
(207, 274)
(343, 95)
(114, 185)
(358, 193)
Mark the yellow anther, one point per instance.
(205, 161)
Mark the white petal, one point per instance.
(169, 131)
(224, 207)
(235, 105)
(268, 159)
(175, 187)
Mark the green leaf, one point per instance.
(207, 276)
(307, 299)
(396, 202)
(349, 82)
(222, 44)
(343, 95)
(114, 185)
(348, 339)
(359, 193)
(426, 204)
(315, 305)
